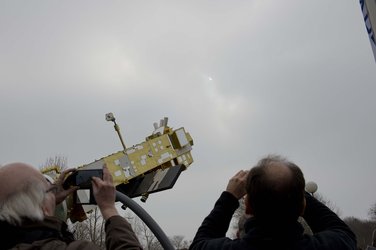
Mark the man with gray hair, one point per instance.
(27, 205)
(274, 200)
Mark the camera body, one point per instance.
(82, 178)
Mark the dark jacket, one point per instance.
(52, 233)
(330, 232)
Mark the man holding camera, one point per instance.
(275, 198)
(27, 205)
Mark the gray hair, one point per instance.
(273, 158)
(25, 203)
(241, 230)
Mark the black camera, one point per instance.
(82, 178)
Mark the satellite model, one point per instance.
(148, 167)
(369, 14)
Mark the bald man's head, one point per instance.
(275, 189)
(14, 177)
(22, 192)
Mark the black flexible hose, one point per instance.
(146, 218)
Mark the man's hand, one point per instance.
(236, 185)
(61, 193)
(104, 194)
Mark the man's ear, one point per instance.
(248, 209)
(44, 210)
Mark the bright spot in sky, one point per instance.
(210, 79)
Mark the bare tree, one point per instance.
(372, 212)
(178, 242)
(156, 245)
(144, 234)
(60, 162)
(147, 238)
(364, 230)
(91, 229)
(330, 204)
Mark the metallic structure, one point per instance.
(151, 166)
(369, 14)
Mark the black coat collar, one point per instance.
(30, 231)
(264, 235)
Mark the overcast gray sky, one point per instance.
(245, 78)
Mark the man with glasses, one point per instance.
(27, 206)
